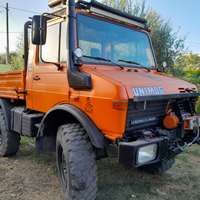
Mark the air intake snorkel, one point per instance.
(76, 78)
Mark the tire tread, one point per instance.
(10, 140)
(81, 161)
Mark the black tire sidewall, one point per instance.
(10, 140)
(79, 168)
(61, 142)
(2, 146)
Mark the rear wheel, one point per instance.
(76, 163)
(9, 141)
(160, 167)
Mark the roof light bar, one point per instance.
(116, 17)
(54, 3)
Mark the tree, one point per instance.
(16, 59)
(191, 61)
(3, 56)
(168, 46)
(190, 65)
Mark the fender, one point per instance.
(7, 106)
(72, 113)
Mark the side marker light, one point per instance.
(119, 105)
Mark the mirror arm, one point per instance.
(57, 64)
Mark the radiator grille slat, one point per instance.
(145, 114)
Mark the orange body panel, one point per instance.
(9, 80)
(51, 88)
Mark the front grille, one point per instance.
(187, 105)
(150, 114)
(147, 114)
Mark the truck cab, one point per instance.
(91, 87)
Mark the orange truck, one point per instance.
(91, 88)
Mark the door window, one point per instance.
(54, 49)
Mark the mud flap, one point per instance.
(45, 145)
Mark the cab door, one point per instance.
(49, 85)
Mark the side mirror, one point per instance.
(39, 29)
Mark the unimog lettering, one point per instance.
(142, 91)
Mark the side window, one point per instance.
(54, 49)
(63, 50)
(50, 49)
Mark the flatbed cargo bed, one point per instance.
(9, 80)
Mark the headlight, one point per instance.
(147, 153)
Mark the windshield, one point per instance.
(99, 38)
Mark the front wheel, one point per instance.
(76, 163)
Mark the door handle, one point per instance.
(36, 78)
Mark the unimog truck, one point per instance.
(91, 88)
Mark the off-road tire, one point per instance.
(9, 141)
(76, 163)
(159, 168)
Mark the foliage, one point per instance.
(190, 64)
(191, 61)
(24, 142)
(17, 60)
(195, 81)
(3, 56)
(168, 46)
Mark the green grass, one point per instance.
(24, 142)
(194, 150)
(184, 157)
(47, 159)
(5, 68)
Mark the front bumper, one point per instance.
(129, 151)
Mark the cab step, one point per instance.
(37, 125)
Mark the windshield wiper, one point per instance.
(103, 59)
(132, 62)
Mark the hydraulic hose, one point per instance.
(189, 144)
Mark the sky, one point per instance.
(182, 13)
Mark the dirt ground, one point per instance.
(27, 176)
(23, 177)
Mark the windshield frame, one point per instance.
(119, 24)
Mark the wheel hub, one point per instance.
(62, 165)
